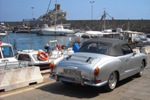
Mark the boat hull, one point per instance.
(54, 33)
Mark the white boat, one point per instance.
(41, 58)
(7, 57)
(2, 34)
(98, 34)
(92, 34)
(57, 30)
(135, 37)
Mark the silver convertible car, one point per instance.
(100, 62)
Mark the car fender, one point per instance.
(107, 67)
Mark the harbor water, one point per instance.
(22, 41)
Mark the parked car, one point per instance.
(100, 62)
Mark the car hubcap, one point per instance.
(113, 80)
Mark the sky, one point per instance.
(17, 10)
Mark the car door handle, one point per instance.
(127, 60)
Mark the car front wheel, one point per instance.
(112, 82)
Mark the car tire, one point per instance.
(142, 69)
(112, 82)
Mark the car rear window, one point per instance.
(94, 48)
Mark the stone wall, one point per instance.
(97, 25)
(135, 25)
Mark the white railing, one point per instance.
(13, 65)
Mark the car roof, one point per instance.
(113, 44)
(111, 41)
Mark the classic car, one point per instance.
(100, 62)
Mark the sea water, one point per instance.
(22, 41)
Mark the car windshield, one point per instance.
(94, 48)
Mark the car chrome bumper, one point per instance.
(95, 84)
(82, 81)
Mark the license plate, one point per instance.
(72, 73)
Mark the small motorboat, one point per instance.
(42, 59)
(2, 34)
(7, 57)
